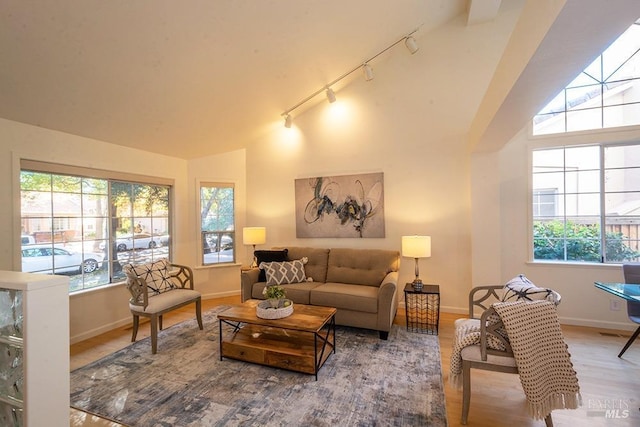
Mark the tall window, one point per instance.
(596, 208)
(87, 228)
(217, 220)
(606, 94)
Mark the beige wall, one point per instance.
(410, 123)
(95, 311)
(229, 167)
(501, 188)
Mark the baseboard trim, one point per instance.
(101, 330)
(127, 321)
(599, 324)
(220, 295)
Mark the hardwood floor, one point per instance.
(606, 382)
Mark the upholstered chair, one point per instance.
(157, 288)
(481, 355)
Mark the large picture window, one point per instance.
(586, 203)
(87, 228)
(217, 223)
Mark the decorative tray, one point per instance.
(264, 309)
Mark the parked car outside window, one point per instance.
(27, 240)
(52, 260)
(138, 241)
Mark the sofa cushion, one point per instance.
(269, 256)
(280, 273)
(155, 274)
(345, 296)
(316, 267)
(296, 292)
(361, 267)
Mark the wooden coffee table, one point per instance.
(301, 342)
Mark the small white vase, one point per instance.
(275, 302)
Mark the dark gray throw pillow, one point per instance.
(269, 256)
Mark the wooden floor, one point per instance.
(496, 400)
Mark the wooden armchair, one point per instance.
(157, 288)
(483, 355)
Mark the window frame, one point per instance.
(200, 184)
(603, 192)
(605, 84)
(111, 236)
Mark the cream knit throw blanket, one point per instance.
(465, 335)
(544, 363)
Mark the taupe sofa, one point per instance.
(360, 283)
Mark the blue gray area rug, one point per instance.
(367, 382)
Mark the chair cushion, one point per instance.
(280, 273)
(155, 274)
(166, 300)
(472, 353)
(466, 323)
(522, 289)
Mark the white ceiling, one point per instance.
(200, 77)
(187, 78)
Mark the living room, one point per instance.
(443, 125)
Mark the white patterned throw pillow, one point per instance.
(282, 273)
(522, 289)
(155, 274)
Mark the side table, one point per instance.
(422, 308)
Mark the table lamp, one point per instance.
(416, 247)
(254, 236)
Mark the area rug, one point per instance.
(367, 382)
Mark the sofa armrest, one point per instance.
(247, 279)
(387, 301)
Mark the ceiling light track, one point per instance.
(365, 66)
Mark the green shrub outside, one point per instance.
(582, 243)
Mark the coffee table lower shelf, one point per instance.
(293, 350)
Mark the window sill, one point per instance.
(225, 265)
(570, 264)
(98, 289)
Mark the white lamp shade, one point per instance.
(416, 246)
(254, 235)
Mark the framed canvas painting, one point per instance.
(340, 206)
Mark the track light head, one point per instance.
(411, 44)
(288, 121)
(331, 96)
(368, 72)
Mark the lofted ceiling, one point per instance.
(194, 78)
(187, 78)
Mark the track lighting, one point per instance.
(411, 44)
(331, 96)
(368, 72)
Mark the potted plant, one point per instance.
(274, 294)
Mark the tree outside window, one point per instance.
(217, 219)
(85, 227)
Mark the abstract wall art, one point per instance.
(340, 206)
